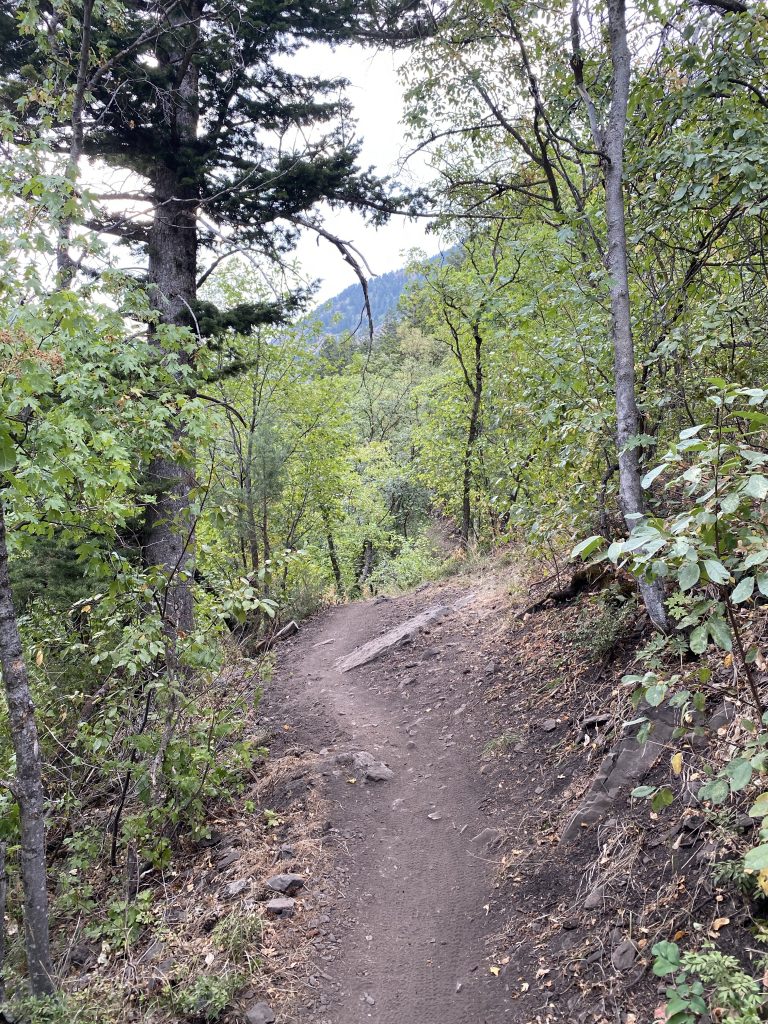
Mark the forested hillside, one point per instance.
(193, 463)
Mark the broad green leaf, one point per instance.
(7, 452)
(651, 475)
(715, 792)
(720, 633)
(666, 958)
(739, 772)
(744, 590)
(757, 859)
(698, 640)
(688, 575)
(759, 808)
(757, 486)
(755, 558)
(716, 570)
(762, 583)
(655, 694)
(643, 792)
(662, 799)
(586, 547)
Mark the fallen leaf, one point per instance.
(39, 659)
(679, 934)
(718, 923)
(524, 987)
(352, 782)
(677, 763)
(495, 971)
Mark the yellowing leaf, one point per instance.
(495, 971)
(677, 763)
(87, 608)
(728, 660)
(719, 923)
(39, 659)
(762, 881)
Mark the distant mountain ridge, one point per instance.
(346, 311)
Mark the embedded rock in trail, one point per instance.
(281, 907)
(624, 766)
(372, 769)
(400, 635)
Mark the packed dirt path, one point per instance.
(415, 854)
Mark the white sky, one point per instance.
(378, 101)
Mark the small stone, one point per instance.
(286, 852)
(596, 898)
(410, 745)
(259, 1013)
(623, 956)
(549, 725)
(282, 906)
(434, 816)
(287, 884)
(227, 860)
(369, 999)
(236, 887)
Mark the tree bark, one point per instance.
(173, 242)
(332, 554)
(472, 435)
(627, 416)
(28, 786)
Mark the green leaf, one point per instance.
(720, 633)
(662, 799)
(698, 640)
(688, 575)
(716, 570)
(757, 486)
(759, 808)
(643, 792)
(757, 859)
(739, 772)
(744, 590)
(586, 547)
(762, 583)
(666, 958)
(755, 558)
(715, 791)
(651, 475)
(655, 694)
(7, 452)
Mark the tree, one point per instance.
(194, 99)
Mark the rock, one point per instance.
(489, 841)
(287, 884)
(282, 906)
(549, 725)
(286, 852)
(227, 860)
(372, 769)
(595, 899)
(236, 887)
(259, 1013)
(623, 956)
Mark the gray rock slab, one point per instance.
(288, 884)
(260, 1013)
(624, 766)
(400, 635)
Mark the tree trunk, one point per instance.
(28, 786)
(335, 567)
(627, 416)
(170, 535)
(472, 435)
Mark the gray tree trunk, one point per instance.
(170, 528)
(473, 433)
(627, 417)
(28, 786)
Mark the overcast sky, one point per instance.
(378, 101)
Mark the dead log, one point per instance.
(269, 641)
(588, 577)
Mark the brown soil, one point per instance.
(422, 916)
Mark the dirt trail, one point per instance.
(415, 852)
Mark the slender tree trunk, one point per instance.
(172, 281)
(472, 435)
(28, 787)
(627, 416)
(333, 556)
